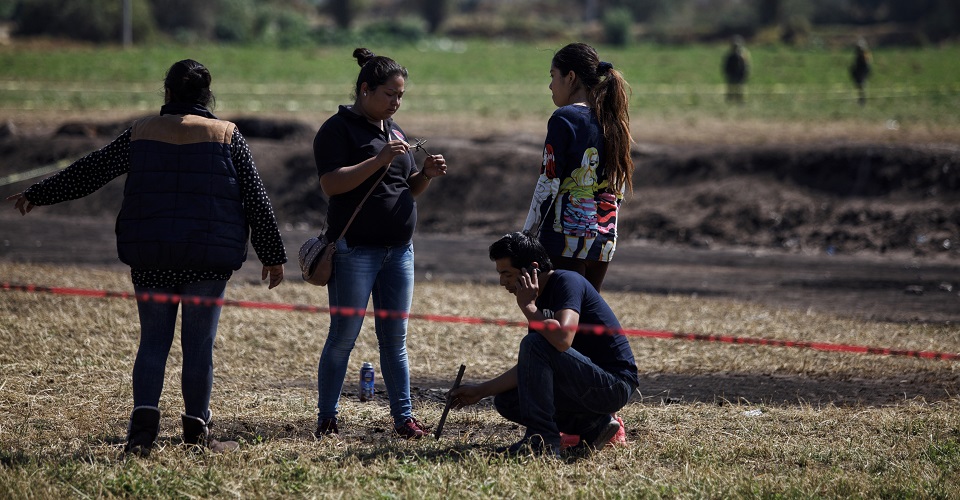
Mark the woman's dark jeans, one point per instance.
(158, 321)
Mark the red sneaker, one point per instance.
(621, 436)
(568, 440)
(410, 429)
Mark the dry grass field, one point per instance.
(711, 420)
(65, 397)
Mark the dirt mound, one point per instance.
(831, 197)
(834, 198)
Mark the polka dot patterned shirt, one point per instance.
(96, 169)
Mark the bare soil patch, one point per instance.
(864, 229)
(868, 229)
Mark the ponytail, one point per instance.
(611, 101)
(609, 96)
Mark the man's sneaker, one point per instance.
(621, 436)
(602, 436)
(571, 440)
(326, 427)
(568, 440)
(410, 429)
(595, 440)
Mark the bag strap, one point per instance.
(360, 205)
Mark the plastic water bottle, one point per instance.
(366, 382)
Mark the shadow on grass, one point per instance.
(368, 441)
(767, 388)
(793, 389)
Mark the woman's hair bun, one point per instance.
(197, 78)
(189, 81)
(363, 55)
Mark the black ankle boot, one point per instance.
(196, 432)
(142, 430)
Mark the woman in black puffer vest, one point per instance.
(191, 200)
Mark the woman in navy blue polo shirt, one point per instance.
(353, 149)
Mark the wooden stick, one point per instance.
(446, 409)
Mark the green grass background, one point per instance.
(494, 79)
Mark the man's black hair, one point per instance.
(523, 249)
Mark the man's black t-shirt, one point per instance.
(610, 351)
(389, 215)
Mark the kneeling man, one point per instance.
(565, 380)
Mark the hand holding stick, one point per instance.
(446, 409)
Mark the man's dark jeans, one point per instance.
(560, 392)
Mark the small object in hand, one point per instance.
(419, 146)
(446, 409)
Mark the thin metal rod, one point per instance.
(446, 409)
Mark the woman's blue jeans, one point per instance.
(198, 329)
(560, 392)
(386, 273)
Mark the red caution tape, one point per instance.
(437, 318)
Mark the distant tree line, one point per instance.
(300, 22)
